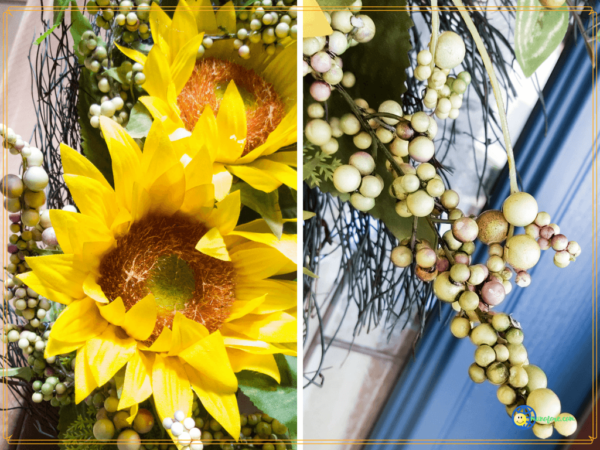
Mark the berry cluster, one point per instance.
(501, 358)
(128, 21)
(322, 54)
(264, 21)
(357, 175)
(110, 421)
(185, 431)
(444, 94)
(58, 385)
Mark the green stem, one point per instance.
(487, 62)
(435, 26)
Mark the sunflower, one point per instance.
(161, 287)
(254, 99)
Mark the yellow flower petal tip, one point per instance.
(212, 244)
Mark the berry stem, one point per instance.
(497, 92)
(435, 25)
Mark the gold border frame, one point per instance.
(594, 18)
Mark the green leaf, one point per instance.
(277, 400)
(305, 271)
(25, 373)
(140, 121)
(380, 65)
(538, 33)
(59, 15)
(265, 204)
(324, 3)
(380, 69)
(307, 215)
(115, 74)
(79, 25)
(92, 144)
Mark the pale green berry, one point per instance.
(520, 209)
(346, 178)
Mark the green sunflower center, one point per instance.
(158, 255)
(172, 282)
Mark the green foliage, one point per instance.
(317, 167)
(380, 65)
(140, 121)
(276, 400)
(80, 430)
(59, 15)
(79, 25)
(93, 146)
(265, 204)
(538, 33)
(25, 373)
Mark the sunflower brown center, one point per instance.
(158, 256)
(207, 85)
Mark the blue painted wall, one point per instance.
(435, 399)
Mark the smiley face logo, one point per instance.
(524, 416)
(520, 419)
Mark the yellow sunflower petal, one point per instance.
(284, 135)
(287, 244)
(222, 180)
(212, 244)
(281, 294)
(163, 112)
(140, 319)
(114, 312)
(109, 352)
(62, 273)
(182, 30)
(163, 343)
(121, 223)
(226, 214)
(137, 386)
(80, 322)
(74, 229)
(141, 201)
(206, 133)
(205, 16)
(160, 24)
(92, 198)
(255, 177)
(274, 327)
(157, 85)
(168, 191)
(199, 201)
(93, 290)
(288, 158)
(84, 380)
(74, 163)
(234, 339)
(266, 364)
(231, 122)
(125, 155)
(184, 63)
(34, 282)
(133, 54)
(242, 307)
(209, 357)
(158, 155)
(132, 413)
(219, 401)
(281, 172)
(226, 17)
(198, 170)
(260, 263)
(281, 72)
(171, 387)
(185, 333)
